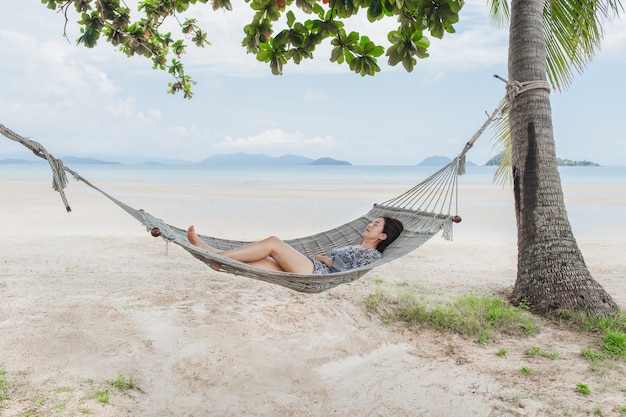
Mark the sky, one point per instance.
(99, 103)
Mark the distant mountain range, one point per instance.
(240, 158)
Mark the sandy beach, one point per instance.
(90, 297)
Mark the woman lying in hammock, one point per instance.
(274, 254)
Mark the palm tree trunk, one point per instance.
(551, 273)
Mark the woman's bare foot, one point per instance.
(194, 239)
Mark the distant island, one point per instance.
(242, 158)
(437, 160)
(329, 161)
(86, 161)
(560, 162)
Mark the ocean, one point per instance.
(595, 196)
(287, 176)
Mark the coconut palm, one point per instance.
(548, 39)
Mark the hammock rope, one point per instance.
(424, 210)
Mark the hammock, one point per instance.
(424, 210)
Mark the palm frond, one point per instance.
(501, 145)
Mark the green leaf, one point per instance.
(336, 55)
(290, 18)
(375, 11)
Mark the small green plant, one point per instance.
(597, 411)
(614, 344)
(583, 388)
(502, 352)
(592, 355)
(4, 386)
(102, 396)
(373, 300)
(622, 409)
(122, 383)
(526, 370)
(537, 351)
(524, 304)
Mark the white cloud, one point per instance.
(313, 96)
(614, 43)
(276, 140)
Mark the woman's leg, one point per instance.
(287, 258)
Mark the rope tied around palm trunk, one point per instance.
(515, 88)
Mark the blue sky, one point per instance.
(99, 103)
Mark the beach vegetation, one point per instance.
(583, 388)
(122, 383)
(373, 300)
(537, 351)
(614, 344)
(611, 327)
(102, 396)
(4, 387)
(526, 370)
(502, 352)
(592, 355)
(471, 315)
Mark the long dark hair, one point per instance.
(392, 229)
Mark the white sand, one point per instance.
(89, 295)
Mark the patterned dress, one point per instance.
(345, 258)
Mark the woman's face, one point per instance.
(374, 230)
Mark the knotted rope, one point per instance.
(59, 178)
(515, 88)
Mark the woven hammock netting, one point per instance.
(424, 210)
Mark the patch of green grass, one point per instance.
(583, 388)
(537, 351)
(373, 300)
(4, 387)
(526, 370)
(502, 352)
(122, 383)
(622, 409)
(476, 316)
(614, 344)
(582, 321)
(592, 355)
(102, 396)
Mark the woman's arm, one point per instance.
(325, 260)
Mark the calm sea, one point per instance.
(594, 196)
(276, 176)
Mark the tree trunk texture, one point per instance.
(552, 277)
